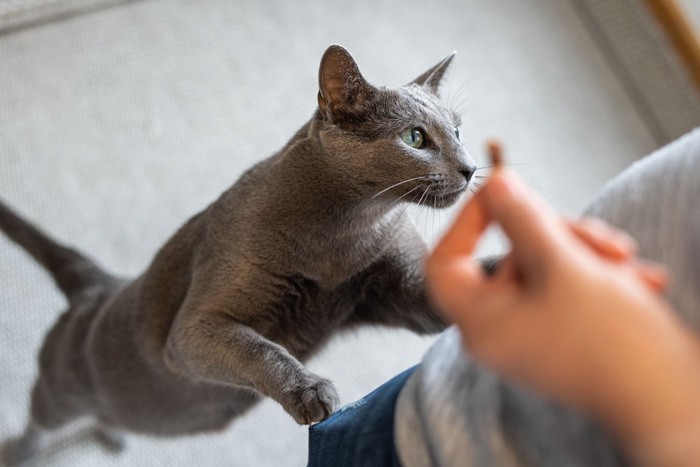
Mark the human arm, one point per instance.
(572, 321)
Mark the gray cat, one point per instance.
(309, 241)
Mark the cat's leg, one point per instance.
(393, 288)
(111, 438)
(25, 449)
(213, 346)
(48, 414)
(394, 294)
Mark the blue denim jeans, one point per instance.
(361, 433)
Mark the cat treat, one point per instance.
(495, 151)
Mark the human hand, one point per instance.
(618, 246)
(569, 312)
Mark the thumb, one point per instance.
(451, 272)
(464, 234)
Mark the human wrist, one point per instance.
(657, 398)
(676, 448)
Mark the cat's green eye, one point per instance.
(457, 132)
(413, 137)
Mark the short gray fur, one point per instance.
(307, 242)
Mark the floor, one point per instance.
(118, 123)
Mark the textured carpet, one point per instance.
(119, 121)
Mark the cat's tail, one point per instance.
(72, 272)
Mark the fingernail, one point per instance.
(628, 241)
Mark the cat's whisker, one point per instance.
(428, 209)
(486, 178)
(437, 213)
(434, 209)
(453, 99)
(461, 108)
(403, 195)
(449, 90)
(425, 210)
(420, 201)
(400, 183)
(459, 91)
(512, 165)
(539, 188)
(398, 218)
(444, 219)
(421, 207)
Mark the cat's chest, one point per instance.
(330, 271)
(303, 314)
(336, 259)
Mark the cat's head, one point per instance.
(391, 143)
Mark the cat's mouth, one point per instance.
(443, 198)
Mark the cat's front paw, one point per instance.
(311, 401)
(110, 439)
(19, 452)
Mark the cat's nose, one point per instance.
(468, 172)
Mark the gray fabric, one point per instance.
(657, 201)
(24, 14)
(454, 412)
(117, 125)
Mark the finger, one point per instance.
(507, 270)
(454, 284)
(654, 275)
(604, 239)
(451, 273)
(464, 234)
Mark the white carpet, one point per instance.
(117, 125)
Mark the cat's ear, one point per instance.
(341, 85)
(431, 79)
